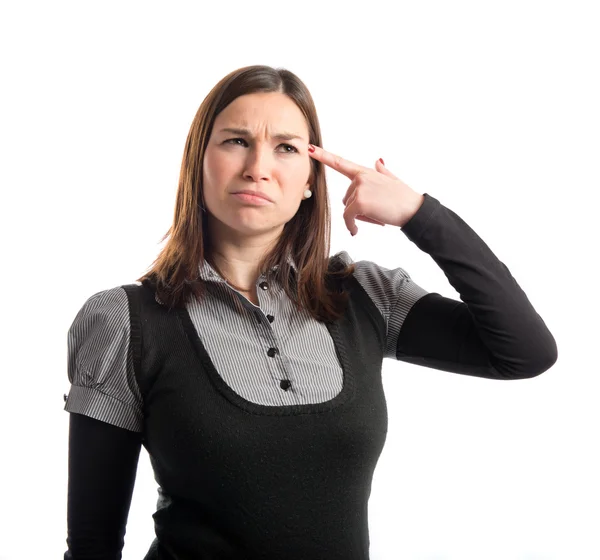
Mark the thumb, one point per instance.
(383, 169)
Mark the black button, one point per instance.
(271, 318)
(285, 384)
(65, 397)
(263, 286)
(271, 352)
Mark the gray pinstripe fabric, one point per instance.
(236, 338)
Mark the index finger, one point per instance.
(344, 166)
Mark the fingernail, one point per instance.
(381, 160)
(311, 148)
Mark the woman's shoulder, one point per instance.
(103, 382)
(385, 286)
(108, 301)
(367, 269)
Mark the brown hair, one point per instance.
(174, 275)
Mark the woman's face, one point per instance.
(257, 160)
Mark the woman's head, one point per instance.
(258, 143)
(266, 101)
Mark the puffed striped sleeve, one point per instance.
(100, 366)
(392, 291)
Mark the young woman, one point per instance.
(247, 361)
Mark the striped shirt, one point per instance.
(237, 339)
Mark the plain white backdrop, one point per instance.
(491, 107)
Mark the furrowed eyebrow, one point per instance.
(246, 132)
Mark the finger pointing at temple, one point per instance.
(344, 166)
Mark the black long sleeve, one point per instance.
(494, 332)
(103, 462)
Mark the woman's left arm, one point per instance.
(494, 331)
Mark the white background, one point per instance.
(491, 107)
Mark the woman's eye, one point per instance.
(288, 145)
(234, 139)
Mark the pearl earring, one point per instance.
(307, 193)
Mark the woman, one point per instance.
(248, 362)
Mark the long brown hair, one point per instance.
(174, 275)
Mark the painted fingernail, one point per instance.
(311, 148)
(381, 160)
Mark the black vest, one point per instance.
(240, 480)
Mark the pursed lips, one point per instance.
(253, 193)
